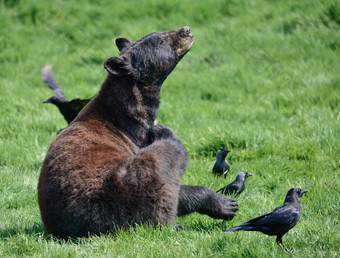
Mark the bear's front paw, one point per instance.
(228, 207)
(159, 132)
(220, 206)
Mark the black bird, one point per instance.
(69, 109)
(279, 221)
(237, 186)
(221, 165)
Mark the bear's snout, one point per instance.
(185, 32)
(185, 41)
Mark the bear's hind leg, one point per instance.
(152, 178)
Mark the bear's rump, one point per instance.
(103, 195)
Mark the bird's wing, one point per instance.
(276, 222)
(217, 168)
(226, 165)
(282, 215)
(78, 104)
(258, 218)
(232, 187)
(47, 77)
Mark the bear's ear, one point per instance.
(122, 43)
(115, 65)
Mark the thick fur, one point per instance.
(112, 167)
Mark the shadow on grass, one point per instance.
(204, 227)
(37, 232)
(35, 229)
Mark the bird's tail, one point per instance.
(238, 228)
(48, 78)
(223, 190)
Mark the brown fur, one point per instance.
(111, 167)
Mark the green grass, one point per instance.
(262, 79)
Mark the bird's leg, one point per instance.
(287, 250)
(280, 243)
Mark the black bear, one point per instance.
(112, 167)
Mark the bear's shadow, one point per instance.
(35, 229)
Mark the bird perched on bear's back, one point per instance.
(279, 221)
(69, 109)
(221, 165)
(237, 186)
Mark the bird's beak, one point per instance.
(303, 192)
(47, 101)
(249, 174)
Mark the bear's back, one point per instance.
(72, 182)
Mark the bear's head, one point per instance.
(150, 59)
